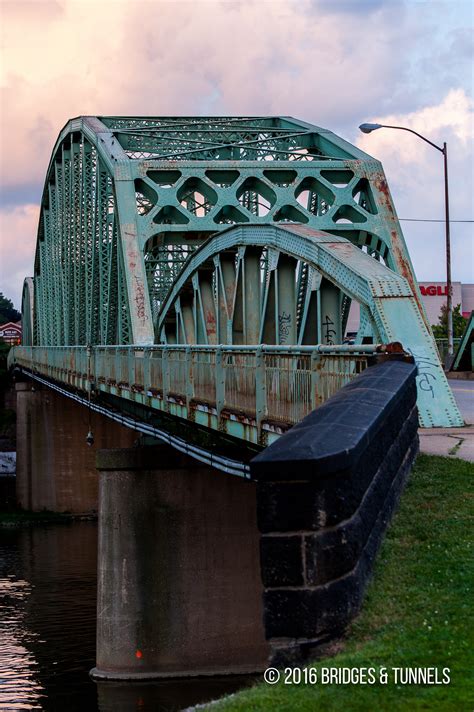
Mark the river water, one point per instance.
(47, 630)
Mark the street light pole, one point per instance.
(449, 297)
(368, 128)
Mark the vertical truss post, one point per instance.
(331, 332)
(316, 398)
(165, 367)
(260, 391)
(141, 319)
(220, 383)
(286, 301)
(252, 296)
(189, 378)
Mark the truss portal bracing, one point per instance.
(128, 201)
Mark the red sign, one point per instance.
(433, 290)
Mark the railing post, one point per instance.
(131, 366)
(260, 390)
(89, 368)
(189, 379)
(165, 365)
(315, 380)
(117, 366)
(146, 371)
(220, 383)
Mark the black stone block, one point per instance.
(330, 554)
(281, 561)
(309, 613)
(284, 506)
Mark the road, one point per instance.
(464, 394)
(453, 442)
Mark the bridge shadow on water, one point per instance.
(48, 587)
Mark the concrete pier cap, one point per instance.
(179, 588)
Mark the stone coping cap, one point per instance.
(333, 437)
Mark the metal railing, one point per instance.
(264, 387)
(442, 345)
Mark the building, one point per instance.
(434, 296)
(10, 333)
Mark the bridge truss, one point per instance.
(221, 230)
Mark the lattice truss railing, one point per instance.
(79, 286)
(195, 176)
(192, 203)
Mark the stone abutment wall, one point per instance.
(325, 493)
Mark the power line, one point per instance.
(436, 221)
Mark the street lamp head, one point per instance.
(367, 128)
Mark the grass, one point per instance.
(416, 613)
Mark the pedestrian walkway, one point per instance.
(449, 442)
(453, 442)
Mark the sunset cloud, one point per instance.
(415, 173)
(18, 226)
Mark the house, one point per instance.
(10, 333)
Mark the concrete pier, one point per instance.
(179, 587)
(55, 467)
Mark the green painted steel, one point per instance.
(28, 312)
(253, 393)
(128, 201)
(267, 304)
(442, 346)
(89, 276)
(464, 357)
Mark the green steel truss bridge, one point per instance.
(202, 269)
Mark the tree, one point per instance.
(7, 310)
(440, 330)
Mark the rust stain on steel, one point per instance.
(394, 347)
(305, 230)
(382, 188)
(345, 248)
(406, 272)
(210, 322)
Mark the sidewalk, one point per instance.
(453, 442)
(449, 442)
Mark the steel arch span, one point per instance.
(132, 204)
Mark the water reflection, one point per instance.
(166, 696)
(19, 687)
(47, 631)
(47, 617)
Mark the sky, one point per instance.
(333, 63)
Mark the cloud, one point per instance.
(334, 64)
(415, 174)
(18, 226)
